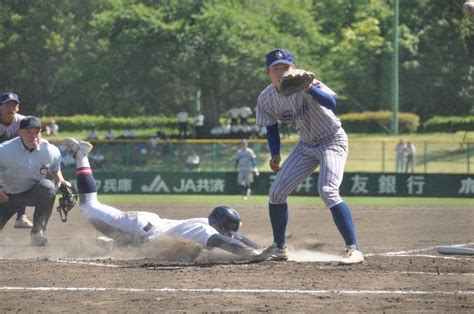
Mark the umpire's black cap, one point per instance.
(30, 122)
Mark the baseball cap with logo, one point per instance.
(30, 122)
(277, 56)
(6, 97)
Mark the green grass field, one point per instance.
(213, 200)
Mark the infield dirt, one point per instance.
(402, 273)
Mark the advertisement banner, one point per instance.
(354, 184)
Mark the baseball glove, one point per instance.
(295, 80)
(66, 202)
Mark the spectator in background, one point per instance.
(221, 131)
(110, 135)
(245, 113)
(9, 126)
(199, 125)
(254, 131)
(155, 144)
(235, 131)
(96, 159)
(52, 128)
(410, 157)
(193, 162)
(66, 159)
(92, 135)
(400, 156)
(246, 131)
(183, 123)
(234, 114)
(129, 134)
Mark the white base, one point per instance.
(312, 256)
(459, 250)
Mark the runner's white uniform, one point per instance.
(322, 143)
(143, 226)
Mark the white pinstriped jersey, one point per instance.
(323, 143)
(11, 131)
(312, 121)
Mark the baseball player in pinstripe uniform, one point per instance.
(9, 126)
(219, 230)
(322, 143)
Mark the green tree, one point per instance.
(38, 38)
(436, 58)
(138, 57)
(356, 57)
(227, 43)
(128, 67)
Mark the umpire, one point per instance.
(24, 163)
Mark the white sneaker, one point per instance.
(274, 253)
(73, 146)
(105, 242)
(23, 222)
(351, 256)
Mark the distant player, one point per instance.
(246, 164)
(219, 230)
(322, 143)
(400, 156)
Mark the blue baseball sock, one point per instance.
(343, 218)
(279, 220)
(85, 180)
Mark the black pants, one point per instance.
(182, 129)
(41, 196)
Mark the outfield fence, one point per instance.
(218, 155)
(225, 183)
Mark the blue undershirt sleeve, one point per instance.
(323, 98)
(273, 139)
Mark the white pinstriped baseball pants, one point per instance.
(330, 155)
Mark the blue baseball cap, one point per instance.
(277, 56)
(6, 97)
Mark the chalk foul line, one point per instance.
(239, 291)
(400, 253)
